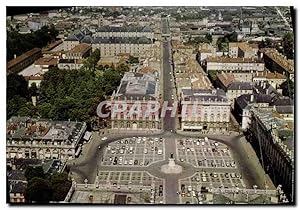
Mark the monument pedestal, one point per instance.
(171, 167)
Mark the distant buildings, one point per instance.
(111, 43)
(272, 137)
(141, 90)
(207, 111)
(242, 50)
(43, 139)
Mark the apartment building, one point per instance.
(275, 79)
(43, 139)
(277, 62)
(233, 64)
(207, 111)
(80, 51)
(112, 46)
(272, 138)
(136, 90)
(242, 50)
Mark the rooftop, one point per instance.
(81, 48)
(137, 86)
(49, 61)
(22, 57)
(280, 59)
(117, 40)
(233, 60)
(204, 95)
(19, 128)
(124, 29)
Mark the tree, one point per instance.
(288, 45)
(288, 88)
(16, 86)
(32, 172)
(91, 62)
(38, 190)
(208, 37)
(61, 186)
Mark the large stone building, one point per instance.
(272, 137)
(79, 52)
(136, 89)
(242, 50)
(204, 110)
(112, 46)
(43, 139)
(125, 31)
(233, 64)
(277, 62)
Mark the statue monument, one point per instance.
(171, 167)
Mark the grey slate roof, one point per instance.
(124, 29)
(285, 109)
(16, 175)
(116, 40)
(239, 86)
(204, 94)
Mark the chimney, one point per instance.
(267, 91)
(15, 56)
(264, 85)
(251, 98)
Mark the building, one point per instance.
(16, 186)
(204, 110)
(277, 62)
(42, 138)
(275, 79)
(125, 31)
(70, 64)
(272, 138)
(242, 50)
(21, 62)
(112, 46)
(141, 90)
(233, 64)
(75, 38)
(79, 52)
(232, 87)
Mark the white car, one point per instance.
(192, 150)
(202, 143)
(125, 162)
(104, 138)
(145, 151)
(197, 143)
(205, 139)
(130, 162)
(159, 152)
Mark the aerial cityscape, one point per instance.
(150, 105)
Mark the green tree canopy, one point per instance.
(39, 190)
(32, 172)
(288, 45)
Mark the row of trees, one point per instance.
(43, 188)
(18, 44)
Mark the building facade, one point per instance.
(207, 111)
(138, 91)
(233, 64)
(42, 139)
(272, 138)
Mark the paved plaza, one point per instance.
(202, 152)
(134, 152)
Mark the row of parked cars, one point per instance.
(121, 161)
